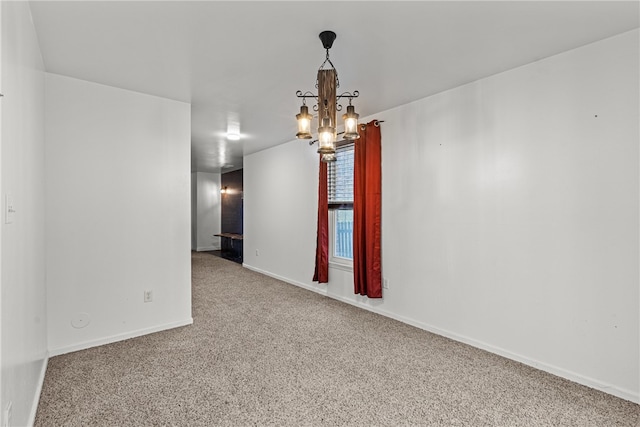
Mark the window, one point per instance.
(340, 191)
(343, 234)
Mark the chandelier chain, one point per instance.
(327, 59)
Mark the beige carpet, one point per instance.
(262, 352)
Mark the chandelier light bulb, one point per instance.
(326, 137)
(350, 123)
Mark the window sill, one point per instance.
(341, 266)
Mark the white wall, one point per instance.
(280, 188)
(206, 210)
(118, 213)
(23, 309)
(509, 220)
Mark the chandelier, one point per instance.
(327, 106)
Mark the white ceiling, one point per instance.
(243, 61)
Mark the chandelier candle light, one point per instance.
(327, 106)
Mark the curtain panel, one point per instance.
(321, 272)
(367, 204)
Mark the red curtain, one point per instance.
(367, 203)
(321, 273)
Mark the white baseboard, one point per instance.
(284, 279)
(36, 397)
(119, 337)
(208, 248)
(560, 372)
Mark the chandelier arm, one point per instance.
(309, 94)
(305, 95)
(349, 95)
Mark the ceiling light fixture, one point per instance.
(233, 126)
(327, 105)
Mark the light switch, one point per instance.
(10, 209)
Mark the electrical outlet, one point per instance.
(8, 413)
(385, 283)
(148, 296)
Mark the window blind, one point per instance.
(340, 178)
